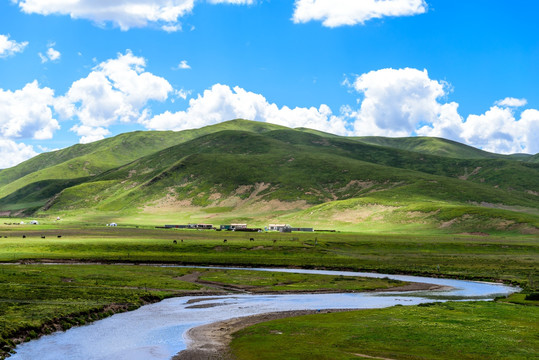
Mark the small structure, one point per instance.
(233, 227)
(176, 226)
(302, 229)
(201, 226)
(287, 228)
(277, 227)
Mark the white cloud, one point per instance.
(27, 113)
(171, 28)
(183, 65)
(182, 94)
(90, 134)
(406, 102)
(116, 91)
(124, 14)
(334, 13)
(396, 101)
(50, 55)
(497, 130)
(512, 102)
(14, 153)
(163, 14)
(10, 47)
(221, 103)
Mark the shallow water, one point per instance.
(157, 331)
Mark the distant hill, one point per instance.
(264, 171)
(437, 146)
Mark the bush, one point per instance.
(532, 296)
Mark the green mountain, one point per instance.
(83, 160)
(256, 172)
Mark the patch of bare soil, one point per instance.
(466, 175)
(449, 223)
(362, 213)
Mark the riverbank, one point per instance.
(211, 341)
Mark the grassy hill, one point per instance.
(257, 172)
(437, 146)
(83, 160)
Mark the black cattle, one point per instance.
(174, 242)
(224, 240)
(251, 239)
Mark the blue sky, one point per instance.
(80, 71)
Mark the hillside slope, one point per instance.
(437, 146)
(269, 171)
(84, 160)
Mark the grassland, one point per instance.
(481, 330)
(36, 299)
(504, 258)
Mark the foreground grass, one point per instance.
(507, 258)
(476, 330)
(36, 300)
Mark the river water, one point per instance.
(157, 331)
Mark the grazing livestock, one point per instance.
(174, 242)
(251, 239)
(224, 240)
(43, 236)
(24, 236)
(59, 236)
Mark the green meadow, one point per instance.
(453, 330)
(510, 258)
(38, 298)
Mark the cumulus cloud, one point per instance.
(334, 13)
(512, 102)
(498, 130)
(221, 103)
(164, 14)
(406, 102)
(27, 113)
(116, 91)
(124, 14)
(90, 134)
(50, 55)
(14, 153)
(10, 47)
(396, 101)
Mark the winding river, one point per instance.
(157, 331)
